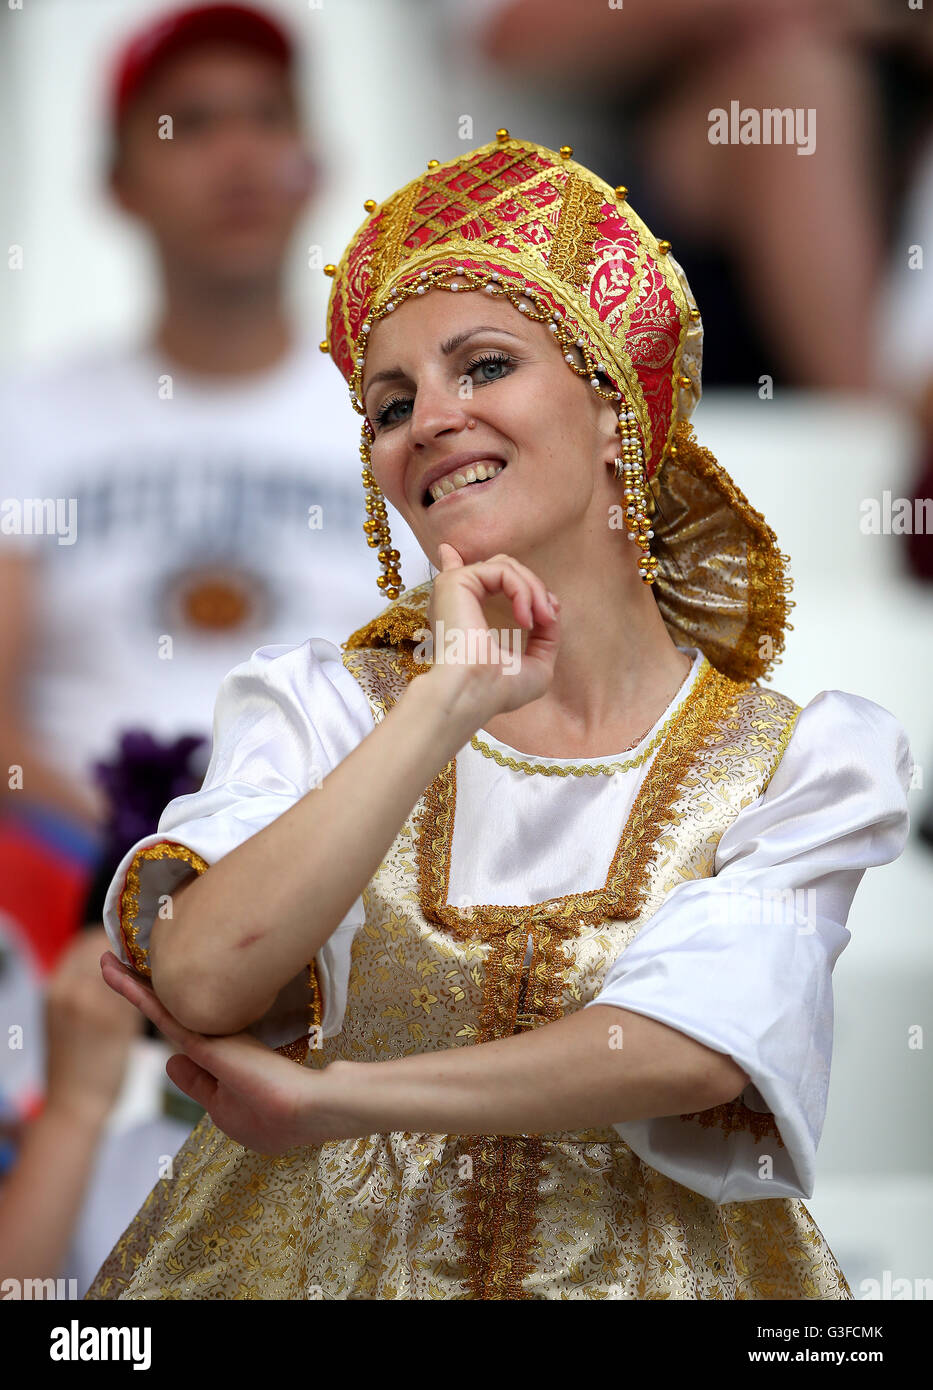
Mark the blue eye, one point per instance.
(383, 412)
(489, 359)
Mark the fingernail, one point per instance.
(555, 601)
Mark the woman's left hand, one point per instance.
(259, 1098)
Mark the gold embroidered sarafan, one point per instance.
(541, 1216)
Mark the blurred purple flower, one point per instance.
(144, 776)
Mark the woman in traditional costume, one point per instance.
(571, 1038)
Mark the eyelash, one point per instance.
(501, 358)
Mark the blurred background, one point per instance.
(160, 361)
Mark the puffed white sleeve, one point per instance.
(742, 961)
(283, 720)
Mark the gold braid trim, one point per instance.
(300, 1048)
(129, 898)
(663, 785)
(579, 769)
(499, 1213)
(736, 1118)
(410, 665)
(316, 1003)
(578, 226)
(500, 1206)
(706, 705)
(139, 955)
(392, 626)
(393, 229)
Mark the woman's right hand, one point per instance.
(507, 679)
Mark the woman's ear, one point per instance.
(607, 421)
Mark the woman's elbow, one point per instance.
(191, 992)
(188, 1001)
(722, 1080)
(715, 1077)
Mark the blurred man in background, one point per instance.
(202, 484)
(170, 504)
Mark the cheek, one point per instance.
(175, 187)
(387, 464)
(539, 419)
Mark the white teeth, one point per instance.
(476, 473)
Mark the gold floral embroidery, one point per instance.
(784, 739)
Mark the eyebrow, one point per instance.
(451, 345)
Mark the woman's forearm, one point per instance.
(249, 924)
(596, 1067)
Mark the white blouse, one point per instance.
(705, 963)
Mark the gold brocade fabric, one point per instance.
(722, 580)
(544, 1216)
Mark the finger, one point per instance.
(516, 587)
(126, 982)
(518, 590)
(542, 647)
(452, 559)
(243, 1063)
(541, 597)
(231, 1056)
(496, 576)
(533, 602)
(195, 1081)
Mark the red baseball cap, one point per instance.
(173, 33)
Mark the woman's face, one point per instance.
(452, 358)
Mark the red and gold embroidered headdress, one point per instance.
(517, 218)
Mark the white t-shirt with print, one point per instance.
(178, 533)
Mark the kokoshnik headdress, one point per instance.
(514, 218)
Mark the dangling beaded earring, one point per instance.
(630, 469)
(377, 524)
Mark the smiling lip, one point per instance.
(457, 463)
(471, 487)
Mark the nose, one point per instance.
(437, 410)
